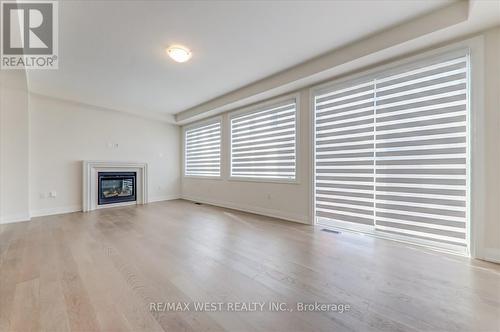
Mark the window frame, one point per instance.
(475, 178)
(195, 125)
(275, 102)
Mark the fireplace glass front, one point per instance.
(116, 187)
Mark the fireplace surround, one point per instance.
(90, 183)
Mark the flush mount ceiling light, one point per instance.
(179, 53)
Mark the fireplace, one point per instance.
(116, 187)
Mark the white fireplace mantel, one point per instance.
(91, 168)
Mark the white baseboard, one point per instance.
(491, 255)
(77, 208)
(15, 218)
(230, 205)
(252, 209)
(56, 210)
(164, 198)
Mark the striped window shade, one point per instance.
(391, 153)
(345, 154)
(263, 143)
(202, 150)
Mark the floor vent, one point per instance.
(330, 231)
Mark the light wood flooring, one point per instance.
(100, 271)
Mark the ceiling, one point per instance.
(112, 53)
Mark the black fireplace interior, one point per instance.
(116, 187)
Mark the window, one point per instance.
(202, 146)
(263, 143)
(391, 153)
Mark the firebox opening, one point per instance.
(116, 187)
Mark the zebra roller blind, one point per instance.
(263, 143)
(344, 154)
(391, 152)
(202, 145)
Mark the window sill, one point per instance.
(201, 177)
(263, 180)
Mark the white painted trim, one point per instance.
(114, 205)
(251, 209)
(199, 177)
(312, 155)
(55, 211)
(90, 169)
(370, 231)
(408, 63)
(68, 209)
(476, 146)
(225, 147)
(216, 119)
(265, 180)
(271, 103)
(71, 209)
(491, 255)
(20, 217)
(164, 198)
(475, 48)
(202, 123)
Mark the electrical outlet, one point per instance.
(53, 194)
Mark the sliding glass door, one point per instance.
(345, 150)
(391, 153)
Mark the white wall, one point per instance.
(492, 149)
(14, 146)
(293, 201)
(65, 133)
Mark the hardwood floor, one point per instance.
(101, 271)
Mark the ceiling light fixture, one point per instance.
(179, 53)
